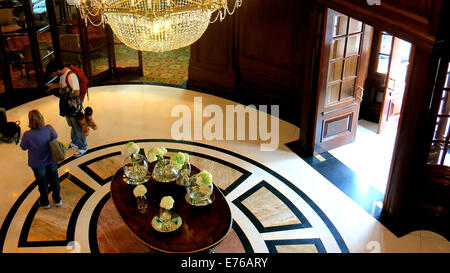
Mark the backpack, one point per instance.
(82, 79)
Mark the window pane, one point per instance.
(348, 89)
(386, 44)
(99, 61)
(441, 129)
(447, 158)
(383, 64)
(436, 153)
(444, 108)
(353, 45)
(333, 93)
(447, 81)
(335, 71)
(45, 42)
(65, 13)
(355, 26)
(337, 48)
(351, 65)
(70, 49)
(340, 25)
(39, 9)
(12, 20)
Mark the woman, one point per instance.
(36, 141)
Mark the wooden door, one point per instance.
(342, 74)
(395, 82)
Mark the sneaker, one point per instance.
(80, 153)
(73, 146)
(59, 204)
(47, 206)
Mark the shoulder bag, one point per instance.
(57, 149)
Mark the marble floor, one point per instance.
(370, 151)
(279, 203)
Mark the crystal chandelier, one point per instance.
(155, 25)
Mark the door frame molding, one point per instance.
(403, 192)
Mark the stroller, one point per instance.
(9, 131)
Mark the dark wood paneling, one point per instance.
(270, 54)
(415, 21)
(337, 126)
(211, 67)
(405, 185)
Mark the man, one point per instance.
(69, 106)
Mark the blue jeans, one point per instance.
(45, 176)
(76, 133)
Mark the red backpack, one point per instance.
(82, 79)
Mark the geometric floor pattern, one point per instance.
(252, 190)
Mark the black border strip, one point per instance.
(243, 238)
(91, 173)
(271, 244)
(93, 223)
(70, 232)
(259, 226)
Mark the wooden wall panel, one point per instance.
(212, 65)
(270, 58)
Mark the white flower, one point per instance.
(154, 152)
(140, 190)
(178, 160)
(130, 149)
(166, 202)
(203, 179)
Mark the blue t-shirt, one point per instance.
(36, 142)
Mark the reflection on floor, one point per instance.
(360, 169)
(370, 155)
(279, 203)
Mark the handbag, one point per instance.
(57, 149)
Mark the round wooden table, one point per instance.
(202, 228)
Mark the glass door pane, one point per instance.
(97, 42)
(39, 9)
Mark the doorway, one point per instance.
(356, 124)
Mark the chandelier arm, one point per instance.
(217, 17)
(173, 3)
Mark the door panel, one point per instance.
(396, 82)
(343, 69)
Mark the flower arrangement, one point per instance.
(167, 202)
(166, 221)
(135, 166)
(203, 179)
(139, 191)
(181, 162)
(130, 149)
(200, 189)
(179, 159)
(164, 171)
(156, 154)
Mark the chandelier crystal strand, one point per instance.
(155, 25)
